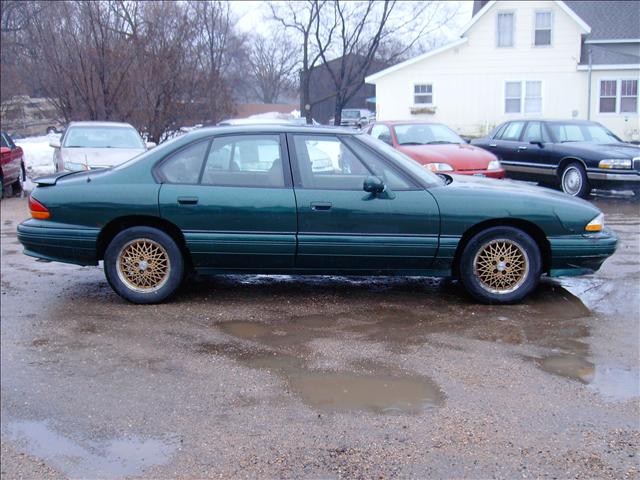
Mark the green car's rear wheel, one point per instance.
(143, 265)
(500, 265)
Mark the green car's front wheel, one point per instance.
(500, 265)
(143, 265)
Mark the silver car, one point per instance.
(90, 145)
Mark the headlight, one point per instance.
(615, 163)
(596, 225)
(439, 167)
(494, 165)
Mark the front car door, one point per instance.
(507, 142)
(232, 198)
(343, 228)
(535, 153)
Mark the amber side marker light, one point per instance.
(595, 225)
(38, 210)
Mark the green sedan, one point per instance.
(303, 200)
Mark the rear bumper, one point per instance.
(581, 254)
(59, 242)
(481, 173)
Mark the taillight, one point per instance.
(38, 210)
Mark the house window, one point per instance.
(512, 97)
(533, 98)
(628, 96)
(423, 94)
(542, 34)
(505, 29)
(530, 103)
(608, 95)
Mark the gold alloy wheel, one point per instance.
(143, 265)
(501, 266)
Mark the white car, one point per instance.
(89, 145)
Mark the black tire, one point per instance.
(16, 187)
(574, 181)
(130, 279)
(507, 282)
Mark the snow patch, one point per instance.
(38, 155)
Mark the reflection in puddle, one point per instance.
(570, 366)
(381, 390)
(553, 321)
(113, 459)
(246, 330)
(381, 394)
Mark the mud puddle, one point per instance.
(115, 458)
(381, 394)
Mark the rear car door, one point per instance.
(343, 228)
(232, 198)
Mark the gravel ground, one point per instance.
(288, 377)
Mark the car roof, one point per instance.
(407, 122)
(272, 128)
(100, 124)
(551, 120)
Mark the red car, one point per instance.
(438, 148)
(11, 164)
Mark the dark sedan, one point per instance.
(576, 155)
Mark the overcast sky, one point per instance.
(251, 16)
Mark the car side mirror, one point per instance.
(150, 145)
(386, 139)
(373, 184)
(54, 143)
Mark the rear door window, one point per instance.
(245, 160)
(184, 166)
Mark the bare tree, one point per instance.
(272, 61)
(306, 19)
(362, 28)
(154, 64)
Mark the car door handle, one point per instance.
(187, 200)
(522, 147)
(320, 206)
(493, 144)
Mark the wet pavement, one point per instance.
(257, 376)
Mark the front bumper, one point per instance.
(581, 254)
(615, 179)
(59, 242)
(499, 173)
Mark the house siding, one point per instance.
(469, 80)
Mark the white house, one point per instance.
(551, 59)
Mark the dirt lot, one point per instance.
(245, 376)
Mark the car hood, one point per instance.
(460, 156)
(99, 157)
(605, 150)
(481, 198)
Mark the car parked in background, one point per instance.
(90, 145)
(355, 118)
(577, 155)
(438, 148)
(204, 201)
(11, 165)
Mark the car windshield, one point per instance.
(582, 132)
(102, 137)
(400, 158)
(350, 114)
(425, 134)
